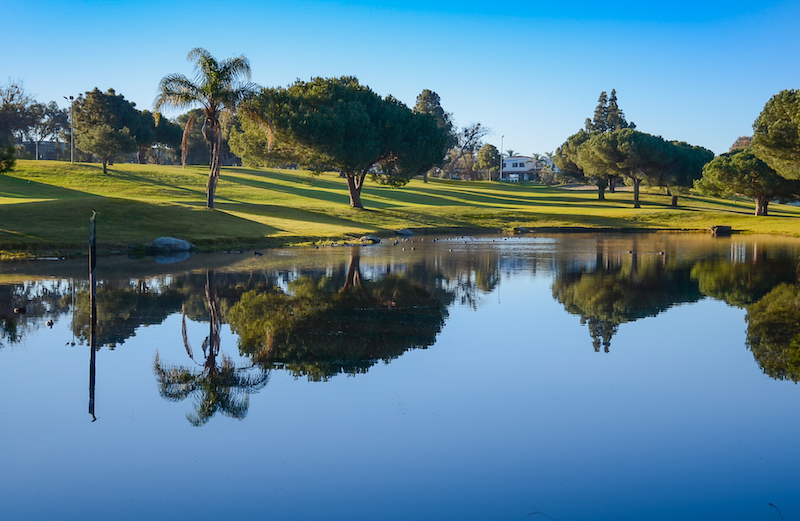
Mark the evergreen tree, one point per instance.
(599, 124)
(105, 124)
(615, 118)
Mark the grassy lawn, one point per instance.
(45, 205)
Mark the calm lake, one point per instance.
(561, 377)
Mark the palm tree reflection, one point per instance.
(217, 384)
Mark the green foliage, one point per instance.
(47, 121)
(607, 115)
(7, 159)
(773, 332)
(105, 124)
(488, 160)
(744, 283)
(219, 87)
(338, 323)
(776, 134)
(627, 153)
(15, 113)
(340, 123)
(617, 291)
(740, 172)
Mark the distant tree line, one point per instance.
(764, 167)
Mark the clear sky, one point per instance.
(531, 71)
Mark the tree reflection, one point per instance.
(773, 332)
(217, 384)
(340, 322)
(746, 281)
(621, 288)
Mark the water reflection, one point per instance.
(621, 287)
(343, 311)
(773, 332)
(217, 385)
(323, 324)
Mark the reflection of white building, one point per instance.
(519, 168)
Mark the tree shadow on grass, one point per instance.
(165, 188)
(299, 191)
(285, 212)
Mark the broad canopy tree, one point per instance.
(776, 134)
(219, 87)
(628, 153)
(740, 172)
(339, 123)
(105, 124)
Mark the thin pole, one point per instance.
(72, 130)
(93, 306)
(501, 156)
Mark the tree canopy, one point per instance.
(773, 332)
(105, 124)
(628, 153)
(339, 123)
(219, 87)
(740, 172)
(607, 115)
(776, 134)
(488, 160)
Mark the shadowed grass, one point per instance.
(46, 204)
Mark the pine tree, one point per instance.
(599, 124)
(615, 118)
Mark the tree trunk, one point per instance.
(636, 183)
(761, 205)
(612, 184)
(602, 184)
(105, 169)
(213, 174)
(675, 201)
(425, 176)
(355, 191)
(141, 155)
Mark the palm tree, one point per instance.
(217, 387)
(218, 87)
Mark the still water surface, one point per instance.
(563, 377)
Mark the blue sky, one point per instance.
(531, 71)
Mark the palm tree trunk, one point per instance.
(213, 174)
(636, 182)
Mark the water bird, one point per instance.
(21, 310)
(257, 253)
(50, 323)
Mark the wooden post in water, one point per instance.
(93, 316)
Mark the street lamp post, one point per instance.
(71, 128)
(501, 157)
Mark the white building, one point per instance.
(519, 168)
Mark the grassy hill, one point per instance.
(45, 205)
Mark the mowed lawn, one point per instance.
(48, 204)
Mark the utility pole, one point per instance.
(71, 128)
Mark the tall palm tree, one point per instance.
(218, 87)
(217, 387)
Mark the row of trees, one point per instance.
(23, 118)
(610, 149)
(765, 167)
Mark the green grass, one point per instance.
(45, 205)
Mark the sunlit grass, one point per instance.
(48, 203)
